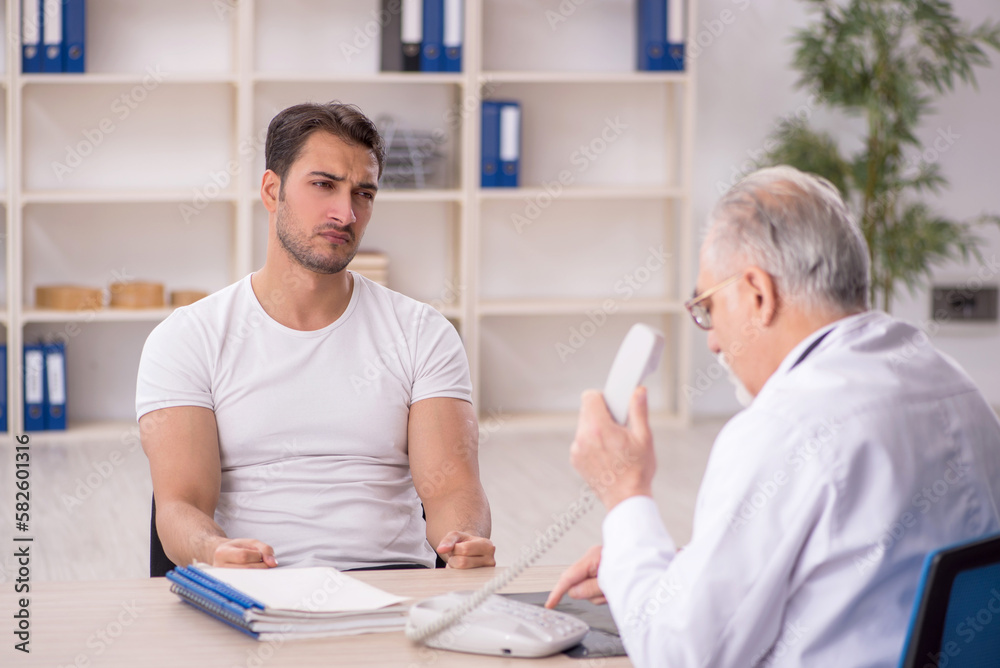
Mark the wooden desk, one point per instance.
(140, 624)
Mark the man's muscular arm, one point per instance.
(182, 445)
(444, 461)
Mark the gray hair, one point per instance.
(796, 227)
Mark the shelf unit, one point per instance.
(147, 167)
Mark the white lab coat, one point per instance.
(817, 508)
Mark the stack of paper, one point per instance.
(289, 602)
(371, 265)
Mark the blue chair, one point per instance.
(956, 618)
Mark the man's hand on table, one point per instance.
(464, 550)
(243, 553)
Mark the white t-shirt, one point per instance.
(312, 425)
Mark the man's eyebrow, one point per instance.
(328, 175)
(340, 179)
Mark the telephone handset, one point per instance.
(492, 624)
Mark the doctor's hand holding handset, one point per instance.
(617, 465)
(613, 455)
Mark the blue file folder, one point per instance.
(74, 35)
(34, 387)
(660, 35)
(490, 153)
(55, 386)
(431, 56)
(454, 28)
(651, 34)
(510, 144)
(52, 35)
(31, 36)
(3, 387)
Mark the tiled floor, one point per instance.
(90, 500)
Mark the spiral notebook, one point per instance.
(289, 602)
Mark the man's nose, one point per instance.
(342, 209)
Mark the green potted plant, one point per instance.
(886, 61)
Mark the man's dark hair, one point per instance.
(289, 130)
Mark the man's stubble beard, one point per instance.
(298, 247)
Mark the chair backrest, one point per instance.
(956, 617)
(159, 562)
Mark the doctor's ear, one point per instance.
(765, 293)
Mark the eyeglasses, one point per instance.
(696, 305)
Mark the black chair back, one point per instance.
(159, 563)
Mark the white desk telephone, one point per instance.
(491, 624)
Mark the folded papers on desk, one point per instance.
(289, 602)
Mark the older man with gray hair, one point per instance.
(863, 449)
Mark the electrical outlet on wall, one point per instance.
(963, 303)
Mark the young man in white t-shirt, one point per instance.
(305, 415)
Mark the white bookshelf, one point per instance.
(538, 307)
(155, 195)
(529, 76)
(37, 315)
(116, 196)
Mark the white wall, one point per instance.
(745, 84)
